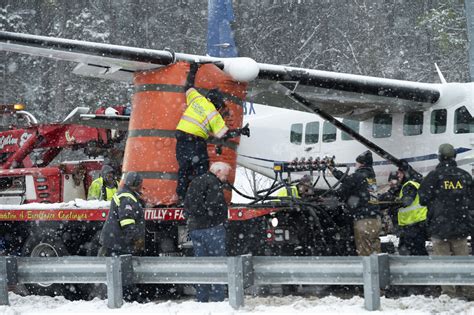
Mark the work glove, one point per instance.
(139, 245)
(245, 130)
(193, 68)
(232, 133)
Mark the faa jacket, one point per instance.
(447, 192)
(356, 191)
(125, 224)
(205, 205)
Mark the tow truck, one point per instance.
(44, 210)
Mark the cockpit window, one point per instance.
(439, 118)
(329, 132)
(463, 121)
(353, 124)
(296, 135)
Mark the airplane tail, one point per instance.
(220, 37)
(440, 75)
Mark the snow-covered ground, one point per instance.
(36, 305)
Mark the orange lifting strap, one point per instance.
(157, 106)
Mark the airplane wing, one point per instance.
(339, 94)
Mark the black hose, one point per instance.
(258, 197)
(331, 188)
(316, 181)
(242, 194)
(326, 180)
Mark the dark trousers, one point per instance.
(412, 240)
(193, 160)
(209, 242)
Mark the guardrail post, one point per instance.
(127, 270)
(3, 281)
(371, 282)
(384, 270)
(119, 273)
(235, 269)
(247, 262)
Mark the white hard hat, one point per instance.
(109, 111)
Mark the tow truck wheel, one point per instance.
(48, 245)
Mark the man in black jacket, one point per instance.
(356, 191)
(206, 212)
(447, 192)
(124, 229)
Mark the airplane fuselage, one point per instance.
(279, 134)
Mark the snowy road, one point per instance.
(35, 305)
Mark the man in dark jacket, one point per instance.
(356, 191)
(411, 217)
(206, 212)
(124, 229)
(447, 192)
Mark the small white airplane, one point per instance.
(413, 134)
(407, 119)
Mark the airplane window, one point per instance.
(329, 132)
(296, 135)
(413, 124)
(382, 126)
(439, 118)
(353, 124)
(312, 132)
(463, 121)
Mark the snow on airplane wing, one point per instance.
(339, 94)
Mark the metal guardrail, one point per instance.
(373, 272)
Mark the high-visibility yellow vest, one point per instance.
(201, 117)
(116, 199)
(284, 192)
(95, 190)
(413, 213)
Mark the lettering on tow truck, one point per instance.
(155, 214)
(7, 140)
(71, 215)
(24, 137)
(164, 214)
(7, 216)
(178, 214)
(41, 215)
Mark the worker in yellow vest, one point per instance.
(200, 120)
(104, 187)
(412, 216)
(303, 188)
